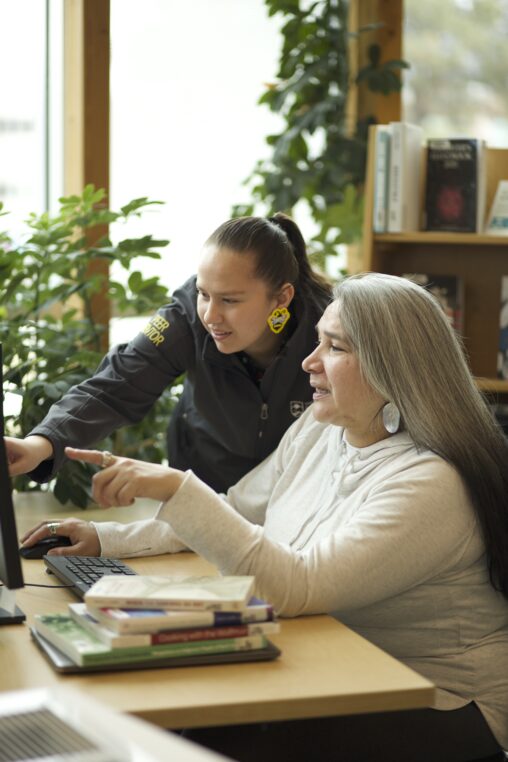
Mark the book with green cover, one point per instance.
(85, 649)
(178, 593)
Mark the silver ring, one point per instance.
(107, 459)
(53, 527)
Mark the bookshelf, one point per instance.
(479, 259)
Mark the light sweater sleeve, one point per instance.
(412, 527)
(150, 537)
(249, 497)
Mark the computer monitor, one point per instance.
(11, 574)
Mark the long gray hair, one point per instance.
(409, 353)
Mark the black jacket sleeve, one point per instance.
(127, 383)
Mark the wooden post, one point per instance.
(86, 115)
(389, 13)
(362, 102)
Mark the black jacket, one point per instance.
(224, 424)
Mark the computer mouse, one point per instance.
(41, 548)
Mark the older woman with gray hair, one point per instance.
(384, 505)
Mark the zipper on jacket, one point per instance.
(263, 416)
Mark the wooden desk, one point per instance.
(325, 668)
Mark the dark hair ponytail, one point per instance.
(280, 252)
(312, 283)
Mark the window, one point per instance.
(185, 125)
(459, 58)
(30, 108)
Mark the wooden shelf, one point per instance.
(498, 385)
(452, 239)
(480, 260)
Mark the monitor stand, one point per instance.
(8, 617)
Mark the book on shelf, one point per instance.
(404, 177)
(81, 615)
(382, 146)
(497, 222)
(455, 185)
(127, 621)
(85, 649)
(449, 292)
(502, 353)
(178, 593)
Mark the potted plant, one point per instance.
(317, 160)
(50, 341)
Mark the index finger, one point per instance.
(87, 456)
(35, 532)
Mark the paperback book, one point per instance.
(497, 223)
(404, 177)
(449, 292)
(80, 614)
(177, 593)
(86, 649)
(125, 620)
(455, 185)
(381, 176)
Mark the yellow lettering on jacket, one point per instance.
(153, 331)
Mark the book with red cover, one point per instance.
(80, 613)
(455, 185)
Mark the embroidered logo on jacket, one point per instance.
(297, 407)
(154, 329)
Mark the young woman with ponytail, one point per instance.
(239, 331)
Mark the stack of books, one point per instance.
(397, 166)
(146, 619)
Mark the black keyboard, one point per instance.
(82, 571)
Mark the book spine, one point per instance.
(123, 624)
(481, 190)
(248, 616)
(215, 633)
(381, 180)
(131, 624)
(109, 601)
(152, 653)
(410, 181)
(497, 223)
(502, 355)
(395, 180)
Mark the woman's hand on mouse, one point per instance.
(82, 534)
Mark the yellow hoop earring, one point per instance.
(278, 319)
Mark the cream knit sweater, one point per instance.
(383, 537)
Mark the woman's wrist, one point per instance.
(173, 483)
(42, 445)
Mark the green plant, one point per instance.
(50, 341)
(317, 158)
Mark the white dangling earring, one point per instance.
(391, 417)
